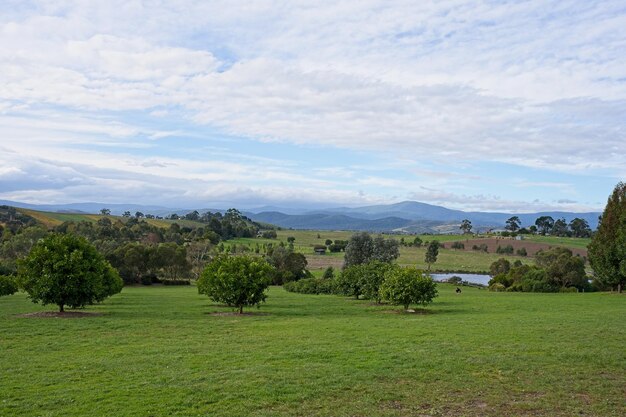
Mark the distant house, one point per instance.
(519, 237)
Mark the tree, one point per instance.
(289, 265)
(607, 250)
(544, 224)
(291, 239)
(126, 214)
(329, 273)
(501, 266)
(66, 270)
(7, 285)
(580, 227)
(562, 268)
(385, 250)
(513, 224)
(406, 286)
(138, 214)
(466, 227)
(560, 228)
(432, 251)
(417, 242)
(372, 275)
(359, 249)
(105, 212)
(349, 281)
(237, 281)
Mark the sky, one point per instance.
(514, 106)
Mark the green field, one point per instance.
(157, 351)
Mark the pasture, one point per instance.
(155, 351)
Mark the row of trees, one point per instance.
(555, 270)
(544, 225)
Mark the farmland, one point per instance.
(159, 351)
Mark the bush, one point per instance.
(372, 277)
(501, 266)
(497, 287)
(176, 282)
(311, 286)
(522, 252)
(455, 280)
(66, 270)
(482, 247)
(269, 234)
(406, 286)
(329, 273)
(508, 250)
(7, 285)
(237, 281)
(457, 245)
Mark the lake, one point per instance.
(473, 278)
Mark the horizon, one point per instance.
(349, 104)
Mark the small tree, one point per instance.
(329, 273)
(432, 251)
(7, 285)
(466, 227)
(372, 277)
(359, 250)
(406, 286)
(105, 212)
(513, 224)
(66, 270)
(237, 281)
(349, 281)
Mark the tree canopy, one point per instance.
(237, 281)
(607, 250)
(66, 270)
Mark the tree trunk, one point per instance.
(61, 310)
(619, 288)
(240, 309)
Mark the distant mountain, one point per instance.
(407, 216)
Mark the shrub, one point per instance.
(237, 281)
(66, 270)
(501, 266)
(457, 245)
(329, 273)
(508, 250)
(482, 247)
(522, 252)
(406, 286)
(497, 287)
(176, 282)
(311, 286)
(455, 280)
(7, 285)
(269, 234)
(372, 277)
(349, 281)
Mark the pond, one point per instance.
(473, 278)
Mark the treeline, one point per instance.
(142, 252)
(555, 270)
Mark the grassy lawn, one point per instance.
(156, 351)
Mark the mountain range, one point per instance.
(404, 217)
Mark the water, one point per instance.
(473, 278)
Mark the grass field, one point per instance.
(157, 351)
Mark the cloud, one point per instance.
(530, 84)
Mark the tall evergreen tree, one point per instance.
(607, 250)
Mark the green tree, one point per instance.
(105, 212)
(432, 252)
(329, 273)
(372, 275)
(560, 228)
(501, 266)
(513, 224)
(544, 224)
(385, 250)
(237, 281)
(359, 249)
(7, 285)
(466, 227)
(349, 281)
(607, 250)
(406, 286)
(66, 270)
(580, 227)
(417, 242)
